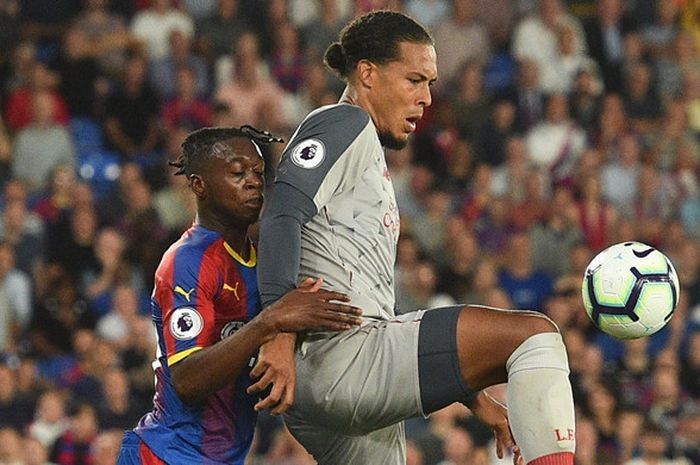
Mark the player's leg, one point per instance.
(385, 446)
(135, 452)
(353, 389)
(492, 346)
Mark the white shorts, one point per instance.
(353, 390)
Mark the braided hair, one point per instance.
(198, 144)
(375, 37)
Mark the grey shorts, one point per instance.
(355, 388)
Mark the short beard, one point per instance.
(389, 141)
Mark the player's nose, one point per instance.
(425, 98)
(255, 181)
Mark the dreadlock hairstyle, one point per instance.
(375, 37)
(198, 144)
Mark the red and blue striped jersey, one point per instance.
(204, 291)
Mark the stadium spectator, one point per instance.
(585, 97)
(16, 292)
(115, 326)
(78, 72)
(185, 108)
(470, 102)
(287, 61)
(106, 447)
(620, 175)
(74, 447)
(535, 38)
(24, 231)
(492, 138)
(659, 35)
(153, 27)
(165, 71)
(131, 119)
(41, 146)
(118, 411)
(642, 103)
(527, 95)
(555, 235)
(321, 32)
(654, 442)
(460, 26)
(10, 446)
(604, 34)
(50, 420)
(672, 69)
(16, 410)
(555, 144)
(71, 243)
(526, 287)
(20, 108)
(252, 97)
(58, 315)
(34, 452)
(107, 34)
(219, 34)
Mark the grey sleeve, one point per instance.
(315, 148)
(318, 144)
(280, 241)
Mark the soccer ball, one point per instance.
(630, 290)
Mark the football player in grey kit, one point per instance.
(333, 214)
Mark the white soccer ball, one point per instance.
(630, 290)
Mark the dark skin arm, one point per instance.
(208, 370)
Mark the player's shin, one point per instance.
(540, 401)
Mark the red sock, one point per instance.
(560, 458)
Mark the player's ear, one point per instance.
(198, 186)
(366, 71)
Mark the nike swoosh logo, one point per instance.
(643, 253)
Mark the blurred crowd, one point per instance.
(558, 127)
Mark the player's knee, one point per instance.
(538, 323)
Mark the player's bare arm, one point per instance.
(307, 308)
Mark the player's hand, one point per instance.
(495, 415)
(276, 371)
(311, 308)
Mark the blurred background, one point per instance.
(557, 128)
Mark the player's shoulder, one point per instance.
(190, 252)
(323, 136)
(339, 116)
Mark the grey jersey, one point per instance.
(349, 238)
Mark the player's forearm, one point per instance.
(207, 371)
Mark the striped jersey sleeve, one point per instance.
(186, 284)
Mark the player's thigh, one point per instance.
(135, 452)
(360, 380)
(463, 349)
(386, 446)
(487, 337)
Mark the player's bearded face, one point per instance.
(400, 93)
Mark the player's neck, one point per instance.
(236, 236)
(352, 96)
